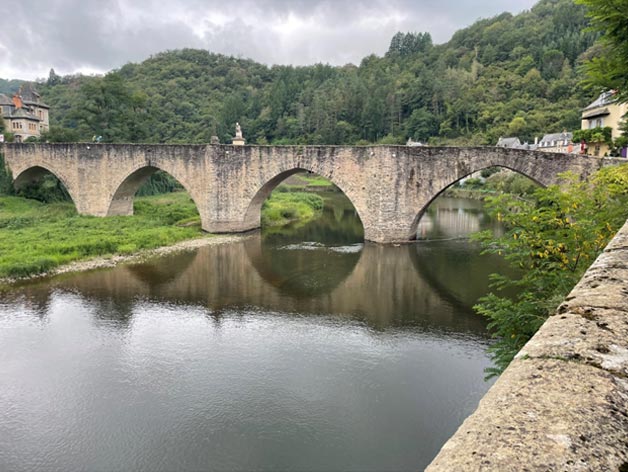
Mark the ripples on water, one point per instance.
(266, 354)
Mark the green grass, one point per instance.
(282, 208)
(36, 237)
(314, 180)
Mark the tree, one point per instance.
(609, 71)
(421, 125)
(57, 134)
(550, 240)
(53, 78)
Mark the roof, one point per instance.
(5, 99)
(28, 93)
(30, 96)
(594, 113)
(605, 98)
(508, 142)
(35, 104)
(22, 113)
(527, 146)
(557, 137)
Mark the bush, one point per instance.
(473, 183)
(551, 239)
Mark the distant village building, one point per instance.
(515, 143)
(511, 143)
(557, 142)
(24, 114)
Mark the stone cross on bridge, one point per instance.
(389, 186)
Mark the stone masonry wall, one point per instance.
(562, 405)
(390, 186)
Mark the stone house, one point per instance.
(557, 142)
(515, 143)
(24, 114)
(509, 142)
(603, 112)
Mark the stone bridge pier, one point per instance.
(369, 177)
(389, 186)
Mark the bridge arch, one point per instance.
(34, 174)
(126, 188)
(452, 181)
(259, 195)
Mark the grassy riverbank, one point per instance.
(285, 207)
(306, 182)
(36, 237)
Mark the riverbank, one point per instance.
(112, 260)
(285, 207)
(472, 194)
(38, 238)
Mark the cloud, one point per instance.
(93, 36)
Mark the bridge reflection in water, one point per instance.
(429, 283)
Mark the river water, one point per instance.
(299, 349)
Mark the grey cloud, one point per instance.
(99, 35)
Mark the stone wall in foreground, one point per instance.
(562, 405)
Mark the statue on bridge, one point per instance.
(238, 140)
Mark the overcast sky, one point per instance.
(94, 36)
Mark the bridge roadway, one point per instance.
(389, 186)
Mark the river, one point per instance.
(297, 349)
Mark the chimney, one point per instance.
(536, 140)
(17, 101)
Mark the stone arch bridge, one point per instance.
(389, 186)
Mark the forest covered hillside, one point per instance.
(507, 75)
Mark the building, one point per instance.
(557, 142)
(511, 142)
(24, 114)
(604, 111)
(515, 143)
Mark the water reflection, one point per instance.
(449, 218)
(264, 354)
(378, 285)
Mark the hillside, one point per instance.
(507, 75)
(9, 86)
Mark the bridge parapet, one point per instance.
(562, 404)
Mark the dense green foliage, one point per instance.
(36, 237)
(551, 238)
(6, 182)
(9, 87)
(507, 75)
(594, 135)
(607, 71)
